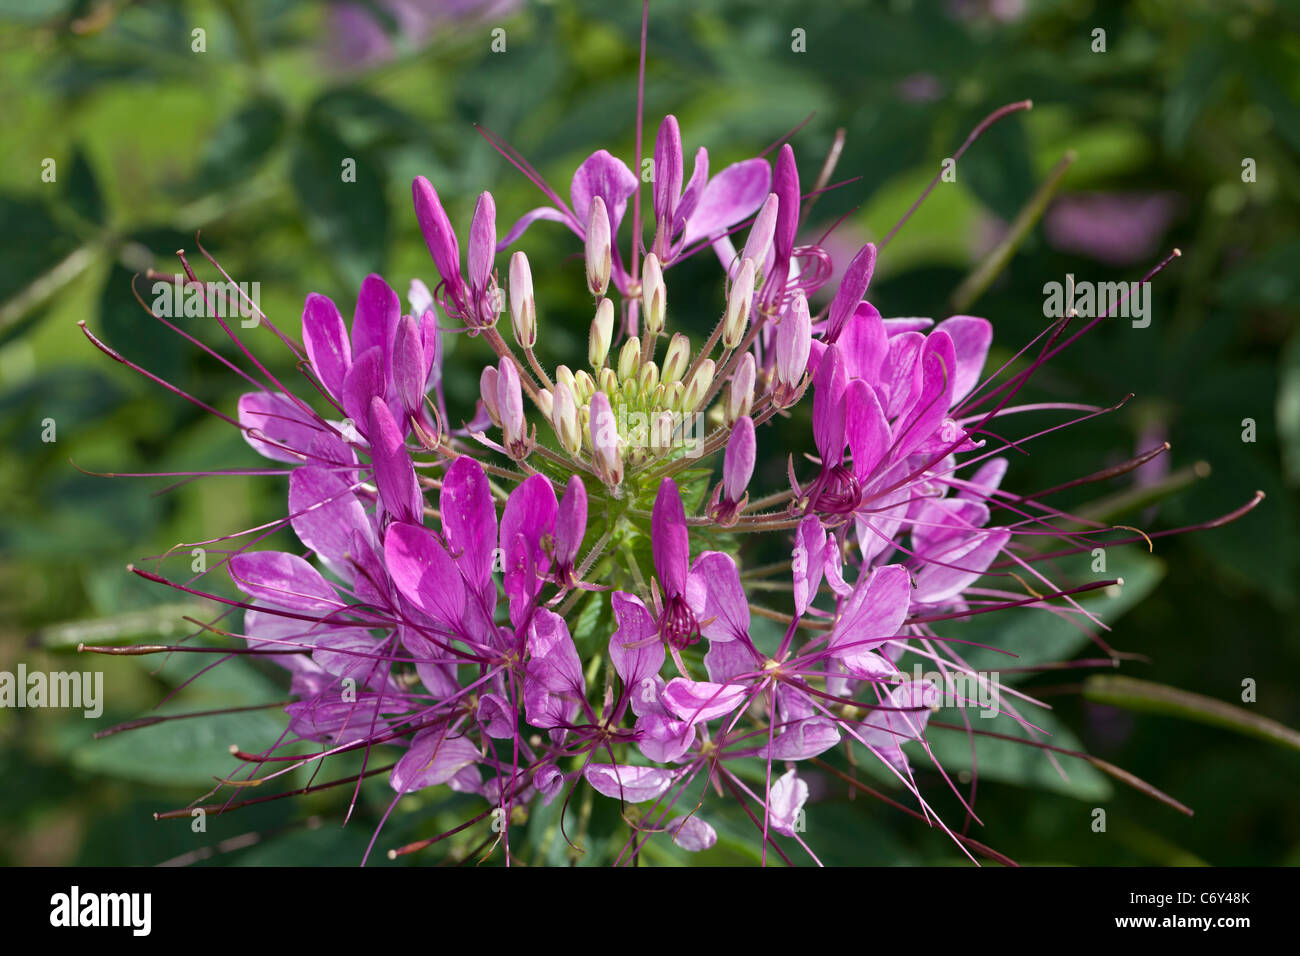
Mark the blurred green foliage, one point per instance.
(157, 147)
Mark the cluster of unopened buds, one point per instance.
(522, 607)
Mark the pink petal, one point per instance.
(636, 627)
(969, 560)
(469, 520)
(280, 420)
(692, 834)
(628, 783)
(374, 324)
(394, 471)
(326, 513)
(732, 195)
(786, 799)
(698, 702)
(716, 597)
(284, 580)
(424, 572)
(435, 757)
(971, 338)
(604, 176)
(669, 540)
(326, 339)
(808, 562)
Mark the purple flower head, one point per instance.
(480, 608)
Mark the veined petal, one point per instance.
(808, 562)
(607, 177)
(971, 337)
(469, 520)
(435, 756)
(875, 611)
(804, 739)
(394, 471)
(374, 323)
(963, 562)
(634, 649)
(283, 580)
(785, 802)
(729, 197)
(325, 514)
(716, 598)
(326, 338)
(698, 702)
(425, 573)
(692, 834)
(628, 783)
(865, 427)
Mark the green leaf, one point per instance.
(347, 220)
(161, 623)
(83, 196)
(1007, 761)
(1133, 694)
(240, 144)
(1036, 636)
(129, 327)
(180, 752)
(998, 169)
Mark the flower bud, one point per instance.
(545, 402)
(564, 374)
(629, 358)
(602, 332)
(570, 523)
(793, 343)
(738, 303)
(654, 296)
(738, 460)
(487, 387)
(599, 252)
(606, 450)
(523, 308)
(661, 436)
(698, 386)
(676, 359)
(740, 390)
(488, 302)
(674, 395)
(584, 386)
(759, 242)
(510, 406)
(564, 418)
(438, 234)
(482, 243)
(648, 380)
(607, 381)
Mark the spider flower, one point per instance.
(521, 613)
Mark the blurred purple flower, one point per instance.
(360, 38)
(1118, 229)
